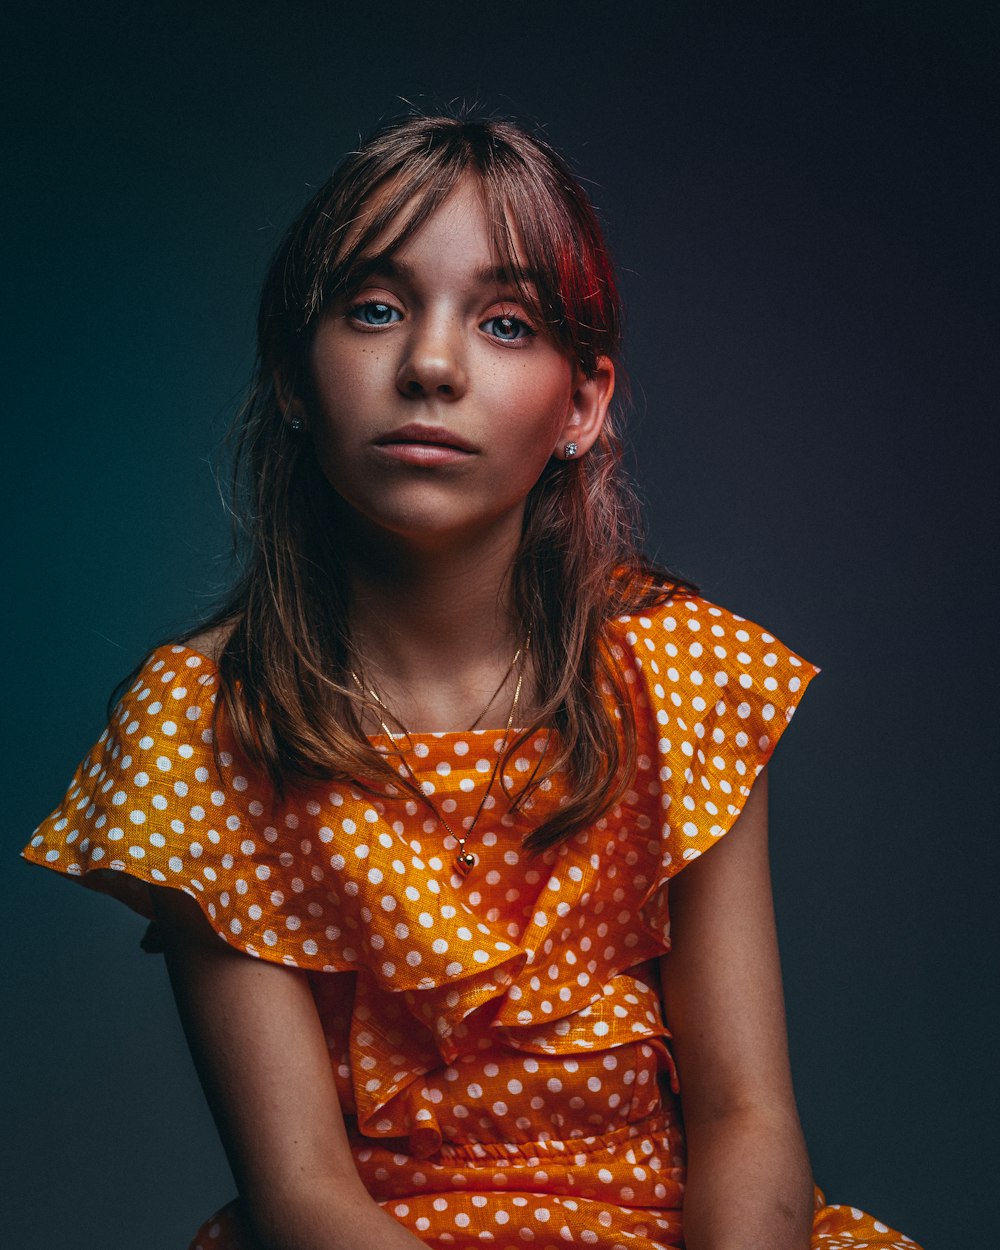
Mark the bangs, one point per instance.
(394, 218)
(527, 252)
(563, 253)
(391, 219)
(544, 237)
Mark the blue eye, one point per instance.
(374, 313)
(508, 329)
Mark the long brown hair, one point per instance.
(284, 684)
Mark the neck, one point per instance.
(434, 629)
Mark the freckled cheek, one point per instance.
(365, 367)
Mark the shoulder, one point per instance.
(703, 638)
(182, 663)
(707, 670)
(209, 643)
(712, 693)
(172, 689)
(189, 666)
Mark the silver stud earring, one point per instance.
(569, 451)
(296, 425)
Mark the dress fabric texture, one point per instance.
(498, 1039)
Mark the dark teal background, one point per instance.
(798, 199)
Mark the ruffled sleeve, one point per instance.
(145, 806)
(307, 882)
(713, 694)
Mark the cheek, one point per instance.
(536, 393)
(333, 382)
(536, 405)
(359, 366)
(341, 406)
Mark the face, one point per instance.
(436, 398)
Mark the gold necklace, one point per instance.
(503, 682)
(465, 861)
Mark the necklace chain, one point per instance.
(465, 861)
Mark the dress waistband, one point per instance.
(658, 1128)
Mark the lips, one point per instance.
(427, 435)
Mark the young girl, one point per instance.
(434, 771)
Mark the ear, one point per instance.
(591, 400)
(289, 403)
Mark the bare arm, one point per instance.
(259, 1048)
(749, 1182)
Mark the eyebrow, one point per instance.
(489, 275)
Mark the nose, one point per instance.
(434, 363)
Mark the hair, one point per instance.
(284, 667)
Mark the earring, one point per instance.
(296, 425)
(569, 451)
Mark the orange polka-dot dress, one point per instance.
(498, 1039)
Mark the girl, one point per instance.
(433, 772)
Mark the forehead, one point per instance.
(463, 219)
